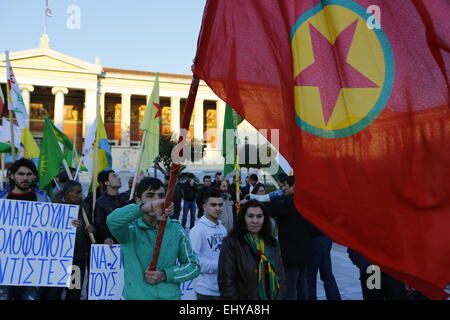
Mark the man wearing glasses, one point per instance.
(135, 226)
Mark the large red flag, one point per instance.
(362, 104)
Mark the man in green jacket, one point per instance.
(135, 227)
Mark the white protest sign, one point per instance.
(187, 290)
(106, 275)
(37, 242)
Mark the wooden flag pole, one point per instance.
(141, 150)
(174, 170)
(11, 127)
(86, 222)
(94, 177)
(85, 218)
(66, 167)
(78, 167)
(57, 184)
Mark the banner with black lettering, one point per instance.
(106, 275)
(36, 243)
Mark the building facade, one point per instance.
(69, 90)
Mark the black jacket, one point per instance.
(201, 193)
(246, 189)
(189, 192)
(238, 270)
(82, 239)
(294, 232)
(125, 197)
(177, 197)
(103, 207)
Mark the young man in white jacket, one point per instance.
(206, 240)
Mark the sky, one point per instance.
(146, 35)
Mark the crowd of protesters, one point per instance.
(263, 250)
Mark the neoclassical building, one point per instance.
(69, 91)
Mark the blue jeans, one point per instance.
(296, 283)
(321, 261)
(192, 207)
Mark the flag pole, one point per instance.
(175, 169)
(141, 150)
(85, 218)
(57, 184)
(78, 167)
(86, 222)
(66, 167)
(236, 166)
(2, 177)
(11, 127)
(94, 176)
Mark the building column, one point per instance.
(198, 120)
(102, 104)
(90, 110)
(125, 119)
(220, 112)
(26, 90)
(58, 118)
(175, 116)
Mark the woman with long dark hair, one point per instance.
(250, 265)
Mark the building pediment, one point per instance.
(49, 59)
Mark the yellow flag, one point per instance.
(151, 124)
(102, 144)
(30, 146)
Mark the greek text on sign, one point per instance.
(106, 275)
(36, 243)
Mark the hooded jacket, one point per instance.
(41, 196)
(206, 240)
(137, 240)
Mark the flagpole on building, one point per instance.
(141, 150)
(175, 169)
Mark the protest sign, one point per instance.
(106, 273)
(106, 276)
(37, 242)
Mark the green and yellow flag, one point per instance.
(231, 121)
(50, 158)
(5, 147)
(65, 141)
(63, 138)
(151, 124)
